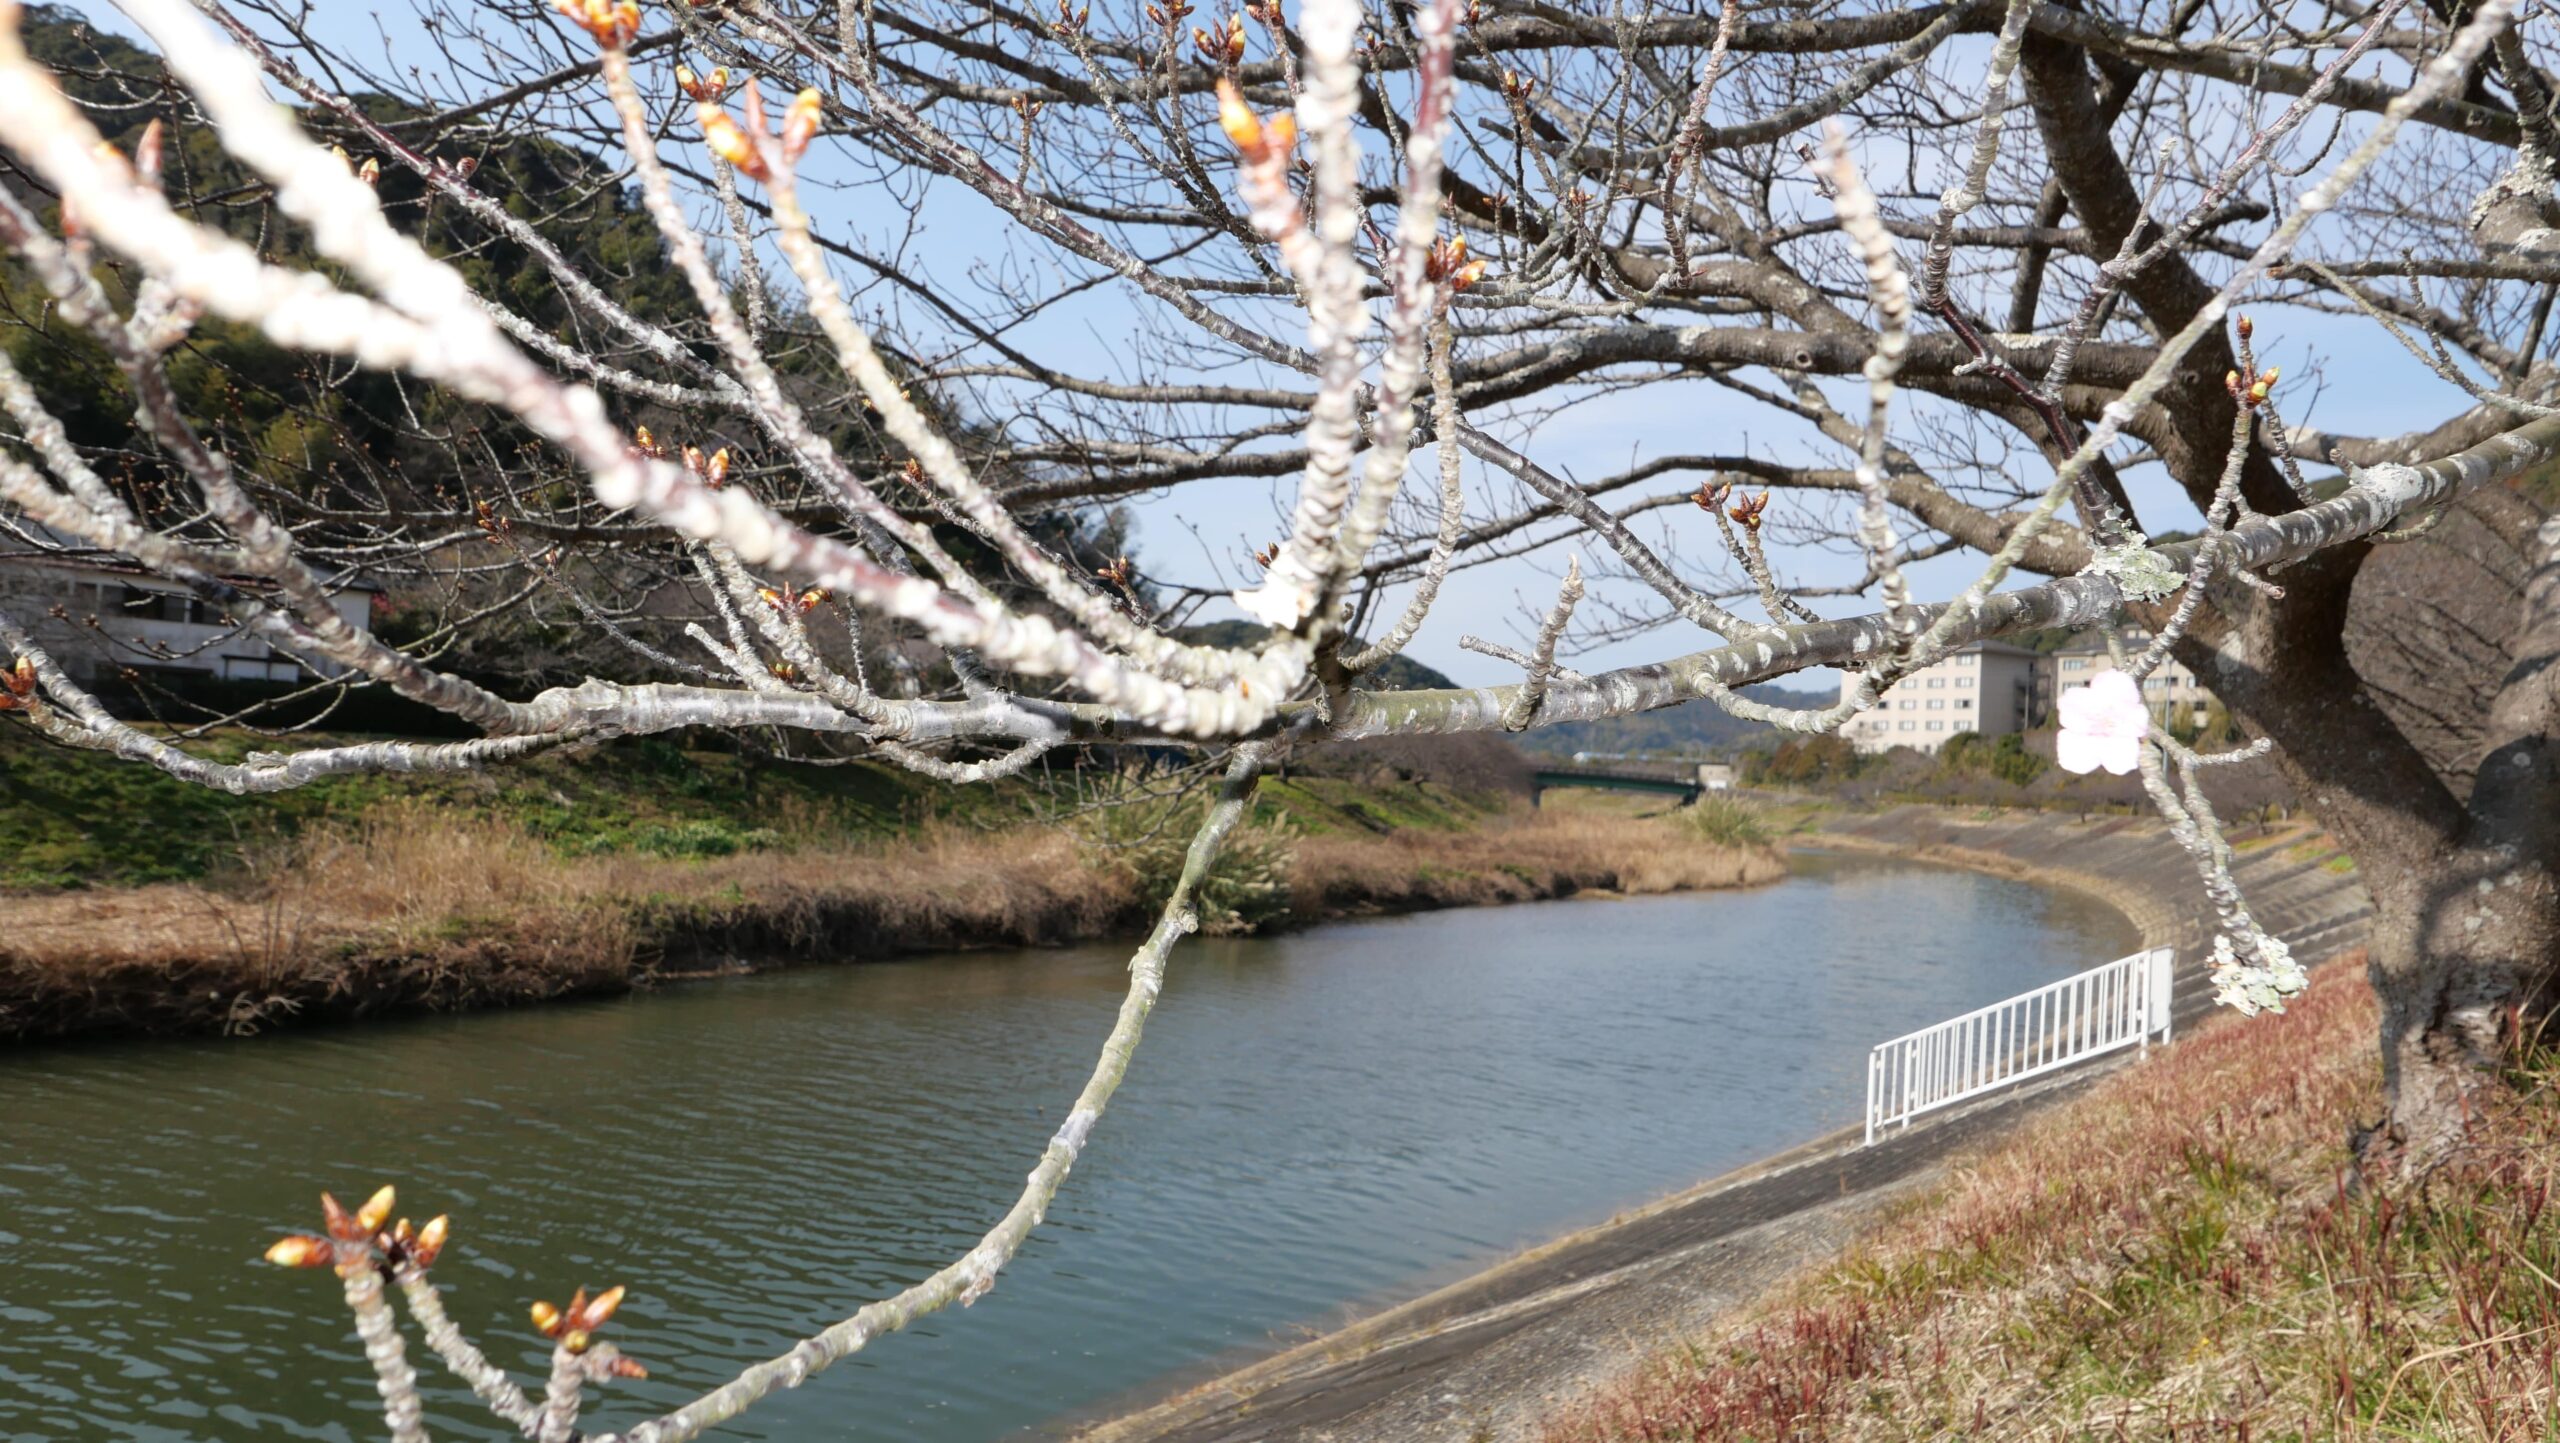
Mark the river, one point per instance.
(1316, 1123)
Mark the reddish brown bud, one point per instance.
(546, 1320)
(622, 1367)
(302, 1251)
(613, 23)
(147, 152)
(800, 123)
(341, 1225)
(715, 473)
(725, 140)
(1254, 139)
(600, 1309)
(431, 1240)
(376, 1211)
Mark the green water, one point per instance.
(1315, 1124)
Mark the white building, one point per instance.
(100, 619)
(1987, 688)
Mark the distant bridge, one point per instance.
(1683, 780)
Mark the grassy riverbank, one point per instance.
(2174, 1255)
(198, 912)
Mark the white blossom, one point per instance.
(2103, 725)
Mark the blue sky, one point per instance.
(2362, 383)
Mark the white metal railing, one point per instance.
(2121, 1004)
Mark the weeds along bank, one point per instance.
(584, 875)
(2175, 1255)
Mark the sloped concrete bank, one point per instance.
(1483, 1360)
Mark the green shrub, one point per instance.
(1247, 884)
(1727, 823)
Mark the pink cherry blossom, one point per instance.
(2103, 724)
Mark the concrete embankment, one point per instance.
(1487, 1358)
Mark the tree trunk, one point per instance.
(2462, 957)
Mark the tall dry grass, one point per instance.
(2177, 1255)
(419, 905)
(1548, 853)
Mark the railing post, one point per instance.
(2163, 964)
(1871, 1097)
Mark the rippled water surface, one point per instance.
(1316, 1122)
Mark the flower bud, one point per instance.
(546, 1320)
(613, 23)
(724, 139)
(1243, 127)
(600, 1309)
(376, 1210)
(431, 1240)
(800, 122)
(302, 1251)
(146, 153)
(715, 473)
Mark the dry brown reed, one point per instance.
(418, 905)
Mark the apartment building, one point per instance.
(1988, 688)
(100, 619)
(1992, 688)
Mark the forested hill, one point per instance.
(1686, 730)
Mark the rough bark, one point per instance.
(2467, 936)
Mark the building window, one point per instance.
(138, 604)
(1937, 681)
(1907, 724)
(1937, 703)
(1937, 726)
(2074, 663)
(1964, 681)
(1964, 703)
